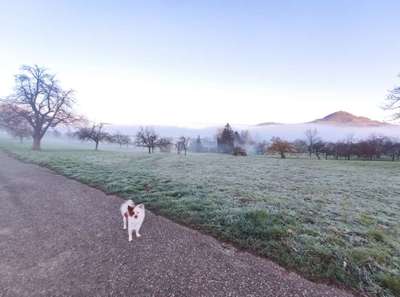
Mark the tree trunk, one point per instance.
(36, 142)
(283, 155)
(149, 147)
(97, 146)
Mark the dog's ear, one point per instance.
(140, 206)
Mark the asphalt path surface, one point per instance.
(59, 237)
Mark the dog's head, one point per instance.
(135, 210)
(138, 210)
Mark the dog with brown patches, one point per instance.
(133, 217)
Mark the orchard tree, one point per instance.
(14, 124)
(147, 137)
(41, 101)
(197, 145)
(94, 133)
(182, 144)
(280, 146)
(165, 144)
(312, 139)
(120, 139)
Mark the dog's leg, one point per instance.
(129, 234)
(137, 233)
(125, 222)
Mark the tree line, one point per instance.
(373, 148)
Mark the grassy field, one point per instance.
(335, 220)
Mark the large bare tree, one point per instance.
(39, 99)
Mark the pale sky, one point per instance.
(199, 63)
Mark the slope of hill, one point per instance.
(348, 119)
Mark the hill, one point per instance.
(347, 119)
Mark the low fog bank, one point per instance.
(326, 132)
(289, 132)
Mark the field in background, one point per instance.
(338, 220)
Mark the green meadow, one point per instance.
(328, 220)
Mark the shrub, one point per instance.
(239, 151)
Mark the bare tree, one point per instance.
(300, 146)
(147, 137)
(261, 147)
(120, 139)
(94, 134)
(197, 145)
(311, 139)
(182, 144)
(165, 145)
(393, 102)
(40, 100)
(14, 124)
(280, 146)
(318, 148)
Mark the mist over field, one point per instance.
(289, 132)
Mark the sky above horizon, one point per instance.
(199, 63)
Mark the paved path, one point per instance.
(59, 237)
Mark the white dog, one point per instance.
(132, 217)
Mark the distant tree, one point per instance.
(182, 144)
(237, 139)
(348, 147)
(280, 146)
(14, 124)
(197, 145)
(40, 100)
(393, 102)
(225, 140)
(329, 149)
(391, 148)
(318, 148)
(246, 138)
(311, 139)
(239, 151)
(120, 139)
(147, 137)
(55, 133)
(261, 148)
(94, 133)
(300, 146)
(165, 144)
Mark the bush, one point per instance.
(239, 151)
